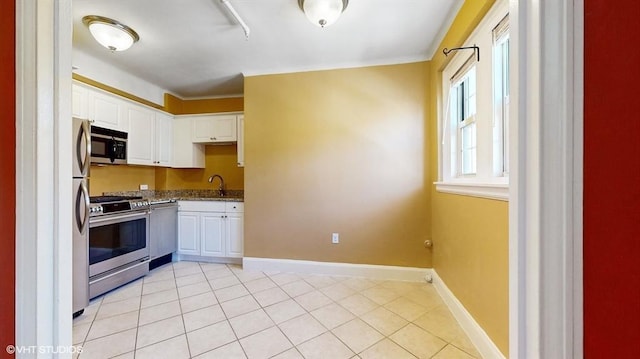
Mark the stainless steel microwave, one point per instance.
(108, 146)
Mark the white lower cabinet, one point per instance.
(210, 229)
(213, 235)
(235, 230)
(189, 233)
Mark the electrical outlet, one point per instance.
(335, 238)
(143, 187)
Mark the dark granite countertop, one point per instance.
(184, 195)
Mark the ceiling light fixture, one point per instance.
(323, 12)
(110, 33)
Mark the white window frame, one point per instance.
(501, 98)
(469, 114)
(485, 182)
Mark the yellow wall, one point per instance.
(470, 235)
(338, 151)
(120, 178)
(220, 160)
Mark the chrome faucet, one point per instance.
(221, 188)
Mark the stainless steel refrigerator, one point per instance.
(81, 164)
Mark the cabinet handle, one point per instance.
(213, 138)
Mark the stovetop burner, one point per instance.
(105, 199)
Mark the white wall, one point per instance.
(98, 70)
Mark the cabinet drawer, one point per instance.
(202, 206)
(234, 207)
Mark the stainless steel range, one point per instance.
(118, 242)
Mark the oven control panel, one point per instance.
(139, 204)
(96, 209)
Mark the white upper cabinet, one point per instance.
(107, 111)
(150, 137)
(186, 154)
(240, 140)
(102, 108)
(164, 139)
(150, 140)
(80, 101)
(214, 129)
(141, 141)
(156, 138)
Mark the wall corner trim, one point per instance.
(338, 269)
(474, 331)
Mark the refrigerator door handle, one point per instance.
(86, 133)
(83, 193)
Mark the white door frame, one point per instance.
(545, 213)
(43, 178)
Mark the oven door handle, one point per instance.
(83, 193)
(104, 220)
(86, 129)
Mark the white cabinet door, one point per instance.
(235, 235)
(213, 234)
(189, 233)
(214, 128)
(240, 144)
(106, 111)
(80, 101)
(186, 154)
(164, 139)
(141, 142)
(150, 136)
(219, 226)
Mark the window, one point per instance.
(474, 117)
(463, 119)
(501, 98)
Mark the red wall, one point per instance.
(7, 172)
(612, 179)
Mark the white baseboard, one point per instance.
(192, 258)
(474, 331)
(338, 269)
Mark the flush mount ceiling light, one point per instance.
(110, 33)
(323, 12)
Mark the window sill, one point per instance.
(496, 191)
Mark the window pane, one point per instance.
(461, 102)
(501, 105)
(468, 149)
(463, 131)
(471, 94)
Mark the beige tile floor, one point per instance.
(204, 310)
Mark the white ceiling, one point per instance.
(195, 48)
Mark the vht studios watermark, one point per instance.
(44, 349)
